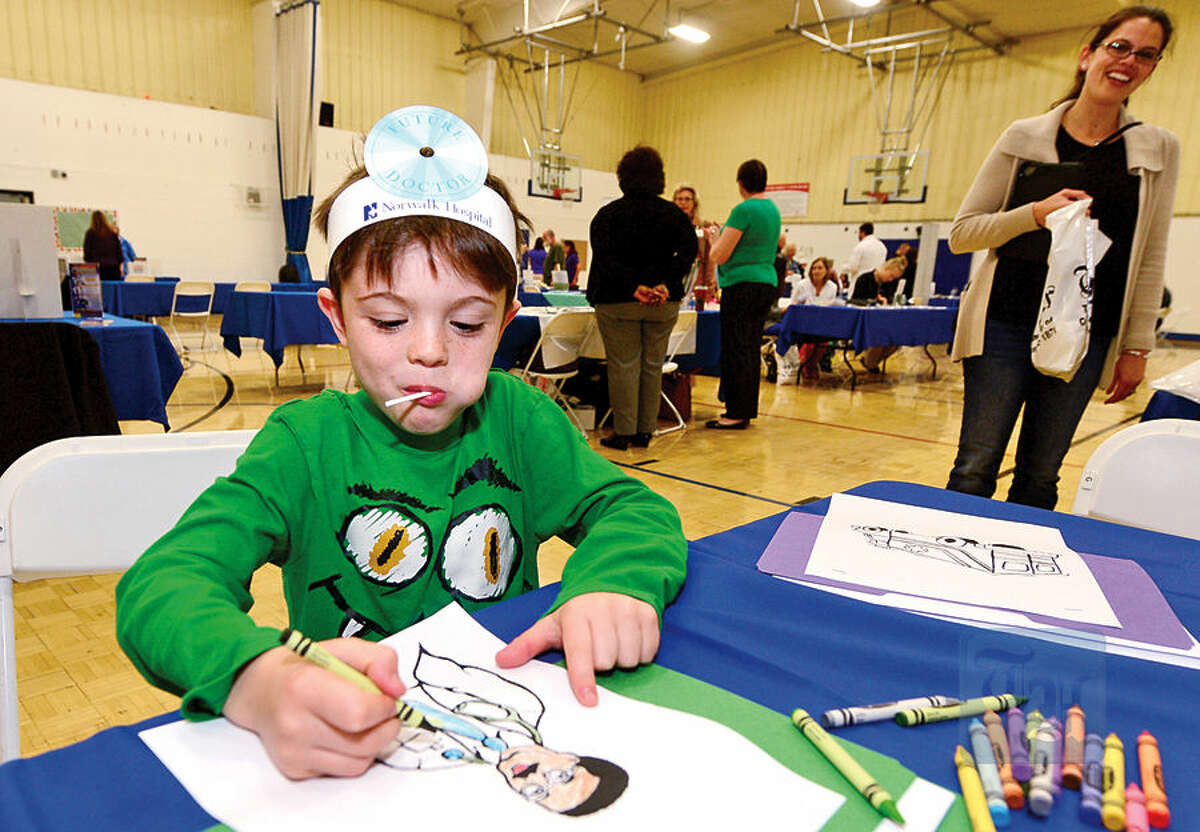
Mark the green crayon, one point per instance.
(846, 765)
(306, 648)
(970, 707)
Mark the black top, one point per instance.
(103, 248)
(1017, 285)
(639, 240)
(866, 287)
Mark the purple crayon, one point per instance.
(1056, 773)
(1018, 752)
(1093, 780)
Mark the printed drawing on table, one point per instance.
(993, 558)
(495, 721)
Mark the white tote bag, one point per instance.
(1064, 323)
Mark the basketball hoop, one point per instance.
(559, 193)
(880, 197)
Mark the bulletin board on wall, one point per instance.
(70, 224)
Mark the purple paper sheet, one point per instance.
(1144, 613)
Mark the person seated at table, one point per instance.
(869, 286)
(379, 512)
(820, 288)
(572, 263)
(878, 286)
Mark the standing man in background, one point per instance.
(556, 257)
(868, 255)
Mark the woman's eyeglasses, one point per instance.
(1121, 49)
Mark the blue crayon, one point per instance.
(1056, 771)
(1093, 780)
(1041, 790)
(989, 773)
(1018, 751)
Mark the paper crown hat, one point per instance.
(422, 161)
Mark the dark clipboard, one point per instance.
(1036, 181)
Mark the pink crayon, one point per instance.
(1018, 751)
(1136, 819)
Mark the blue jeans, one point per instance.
(996, 385)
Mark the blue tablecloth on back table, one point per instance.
(278, 318)
(876, 326)
(1164, 405)
(783, 646)
(122, 297)
(140, 366)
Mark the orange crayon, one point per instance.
(1014, 795)
(1072, 761)
(1150, 765)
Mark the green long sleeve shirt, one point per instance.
(375, 528)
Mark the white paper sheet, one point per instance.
(956, 557)
(682, 769)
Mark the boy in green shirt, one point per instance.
(381, 512)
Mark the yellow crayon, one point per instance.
(1150, 765)
(1032, 722)
(972, 792)
(969, 707)
(1112, 794)
(847, 766)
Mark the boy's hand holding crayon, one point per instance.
(312, 722)
(595, 631)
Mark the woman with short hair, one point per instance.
(642, 247)
(744, 252)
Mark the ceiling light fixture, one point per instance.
(690, 33)
(866, 4)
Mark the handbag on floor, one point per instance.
(1064, 322)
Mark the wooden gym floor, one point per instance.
(808, 442)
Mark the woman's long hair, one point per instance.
(1114, 20)
(100, 223)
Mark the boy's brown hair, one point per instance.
(472, 251)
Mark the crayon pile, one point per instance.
(1024, 763)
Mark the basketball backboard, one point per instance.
(555, 175)
(887, 177)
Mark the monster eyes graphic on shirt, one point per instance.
(386, 543)
(479, 553)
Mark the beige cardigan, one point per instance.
(1152, 153)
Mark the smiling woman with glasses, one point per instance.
(1128, 169)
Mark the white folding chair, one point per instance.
(1147, 475)
(244, 340)
(92, 504)
(197, 297)
(684, 328)
(555, 356)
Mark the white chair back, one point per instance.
(683, 333)
(252, 286)
(93, 504)
(1147, 475)
(564, 334)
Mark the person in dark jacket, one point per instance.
(643, 246)
(102, 245)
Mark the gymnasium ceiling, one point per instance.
(741, 25)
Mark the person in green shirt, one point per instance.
(745, 253)
(381, 508)
(556, 257)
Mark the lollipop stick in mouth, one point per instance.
(410, 397)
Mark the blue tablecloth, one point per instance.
(154, 299)
(299, 287)
(946, 301)
(1164, 405)
(140, 366)
(876, 326)
(783, 646)
(278, 318)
